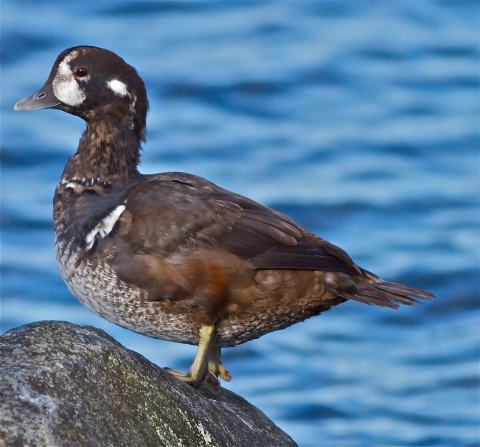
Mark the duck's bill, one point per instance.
(43, 99)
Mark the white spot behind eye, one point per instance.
(65, 86)
(118, 87)
(105, 226)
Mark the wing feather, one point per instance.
(189, 211)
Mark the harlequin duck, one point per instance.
(172, 255)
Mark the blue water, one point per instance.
(358, 119)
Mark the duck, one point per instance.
(171, 255)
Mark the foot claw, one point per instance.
(176, 373)
(184, 377)
(215, 366)
(224, 374)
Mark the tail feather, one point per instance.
(389, 294)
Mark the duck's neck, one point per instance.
(107, 152)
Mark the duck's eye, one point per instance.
(81, 72)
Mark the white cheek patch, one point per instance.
(105, 226)
(118, 87)
(65, 86)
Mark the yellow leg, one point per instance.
(199, 368)
(215, 365)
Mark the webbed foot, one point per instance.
(199, 371)
(215, 366)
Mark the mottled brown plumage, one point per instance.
(172, 255)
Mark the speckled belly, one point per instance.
(100, 290)
(108, 297)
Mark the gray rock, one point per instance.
(67, 385)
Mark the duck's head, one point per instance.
(96, 85)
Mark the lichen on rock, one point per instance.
(69, 385)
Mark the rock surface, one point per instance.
(67, 385)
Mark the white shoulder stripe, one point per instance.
(105, 226)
